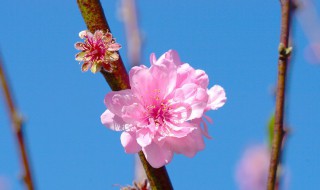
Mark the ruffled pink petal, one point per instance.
(178, 130)
(187, 74)
(153, 58)
(116, 100)
(188, 145)
(143, 85)
(113, 121)
(174, 56)
(157, 155)
(193, 95)
(144, 137)
(133, 113)
(129, 142)
(170, 56)
(165, 70)
(179, 112)
(205, 129)
(200, 78)
(217, 97)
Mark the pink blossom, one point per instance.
(98, 51)
(252, 170)
(162, 112)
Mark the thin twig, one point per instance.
(284, 54)
(94, 18)
(17, 124)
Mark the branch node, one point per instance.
(283, 51)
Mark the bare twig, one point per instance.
(17, 124)
(284, 54)
(94, 18)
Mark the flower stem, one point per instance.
(17, 124)
(284, 54)
(158, 178)
(94, 18)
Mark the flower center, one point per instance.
(158, 110)
(95, 49)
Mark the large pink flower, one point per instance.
(98, 51)
(162, 112)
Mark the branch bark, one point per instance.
(94, 18)
(284, 54)
(17, 124)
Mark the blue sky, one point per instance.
(235, 43)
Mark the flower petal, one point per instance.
(187, 74)
(217, 97)
(108, 37)
(133, 113)
(164, 75)
(153, 58)
(79, 46)
(85, 34)
(96, 67)
(157, 155)
(128, 141)
(98, 34)
(188, 145)
(85, 66)
(114, 47)
(144, 138)
(142, 84)
(113, 56)
(113, 121)
(178, 130)
(116, 100)
(80, 56)
(170, 56)
(193, 95)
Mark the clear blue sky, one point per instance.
(234, 42)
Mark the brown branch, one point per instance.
(17, 124)
(284, 54)
(94, 18)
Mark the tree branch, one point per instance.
(94, 18)
(17, 124)
(284, 54)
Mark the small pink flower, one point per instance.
(98, 51)
(252, 170)
(162, 112)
